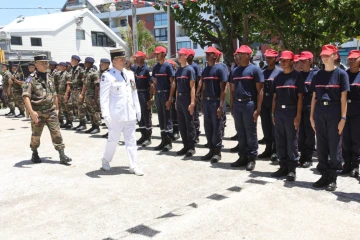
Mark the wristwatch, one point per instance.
(344, 118)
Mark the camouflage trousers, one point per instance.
(19, 101)
(49, 118)
(75, 104)
(93, 110)
(9, 100)
(63, 114)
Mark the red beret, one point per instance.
(140, 54)
(160, 49)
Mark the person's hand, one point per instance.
(256, 115)
(191, 108)
(138, 116)
(297, 122)
(66, 98)
(341, 126)
(107, 121)
(57, 112)
(168, 104)
(34, 116)
(81, 97)
(312, 124)
(219, 112)
(149, 104)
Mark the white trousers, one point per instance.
(128, 129)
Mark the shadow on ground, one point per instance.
(45, 160)
(113, 171)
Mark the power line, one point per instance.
(28, 8)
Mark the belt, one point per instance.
(183, 94)
(286, 106)
(326, 103)
(74, 88)
(48, 107)
(161, 91)
(244, 99)
(143, 90)
(268, 94)
(353, 101)
(212, 98)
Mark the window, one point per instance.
(100, 39)
(149, 18)
(161, 19)
(80, 34)
(160, 34)
(183, 45)
(123, 22)
(36, 42)
(16, 40)
(195, 46)
(138, 18)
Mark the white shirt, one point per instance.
(1, 80)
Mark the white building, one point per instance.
(62, 35)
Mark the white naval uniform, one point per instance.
(120, 108)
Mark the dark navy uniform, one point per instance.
(328, 86)
(245, 104)
(287, 87)
(196, 111)
(223, 68)
(266, 108)
(351, 133)
(212, 76)
(306, 140)
(163, 73)
(143, 81)
(183, 77)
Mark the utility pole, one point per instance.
(168, 30)
(134, 28)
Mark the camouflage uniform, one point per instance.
(93, 107)
(42, 95)
(17, 93)
(8, 98)
(60, 87)
(76, 78)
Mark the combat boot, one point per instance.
(241, 162)
(168, 144)
(63, 124)
(191, 152)
(105, 135)
(282, 172)
(175, 136)
(234, 137)
(322, 182)
(63, 158)
(11, 113)
(20, 115)
(82, 126)
(235, 149)
(291, 176)
(75, 128)
(216, 156)
(68, 125)
(346, 166)
(273, 157)
(90, 129)
(183, 151)
(147, 141)
(250, 166)
(267, 152)
(161, 145)
(35, 156)
(142, 138)
(209, 155)
(96, 130)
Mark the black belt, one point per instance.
(268, 94)
(212, 98)
(353, 101)
(161, 91)
(48, 107)
(326, 103)
(243, 99)
(183, 94)
(286, 106)
(143, 90)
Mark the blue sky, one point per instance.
(8, 15)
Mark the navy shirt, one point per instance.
(308, 77)
(269, 76)
(183, 76)
(197, 72)
(287, 86)
(354, 80)
(142, 77)
(245, 79)
(329, 85)
(213, 76)
(163, 73)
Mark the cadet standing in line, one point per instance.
(297, 65)
(75, 79)
(104, 67)
(17, 81)
(328, 116)
(41, 102)
(164, 91)
(90, 91)
(288, 88)
(145, 88)
(246, 84)
(173, 112)
(7, 89)
(351, 137)
(60, 86)
(306, 140)
(214, 81)
(185, 103)
(270, 72)
(120, 108)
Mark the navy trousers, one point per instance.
(306, 136)
(146, 121)
(164, 115)
(266, 124)
(246, 128)
(186, 122)
(174, 117)
(351, 136)
(212, 124)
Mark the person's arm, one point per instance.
(172, 91)
(343, 111)
(312, 110)
(299, 110)
(105, 85)
(26, 97)
(192, 95)
(222, 98)
(260, 93)
(96, 93)
(232, 92)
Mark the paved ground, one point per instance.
(176, 198)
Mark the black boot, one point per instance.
(241, 162)
(190, 152)
(161, 145)
(306, 161)
(21, 115)
(175, 136)
(75, 128)
(217, 155)
(183, 151)
(209, 155)
(63, 124)
(96, 130)
(63, 158)
(11, 113)
(282, 172)
(234, 138)
(147, 140)
(291, 176)
(90, 129)
(261, 141)
(35, 156)
(250, 166)
(142, 138)
(168, 144)
(322, 182)
(105, 135)
(346, 166)
(267, 152)
(235, 149)
(82, 125)
(273, 157)
(69, 125)
(331, 185)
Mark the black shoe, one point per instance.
(105, 135)
(142, 138)
(267, 153)
(273, 157)
(138, 130)
(197, 140)
(331, 186)
(234, 138)
(306, 164)
(146, 143)
(90, 129)
(95, 131)
(241, 162)
(216, 158)
(291, 177)
(190, 153)
(354, 173)
(161, 145)
(35, 157)
(11, 113)
(282, 172)
(183, 151)
(235, 149)
(63, 125)
(75, 128)
(69, 125)
(103, 124)
(322, 182)
(175, 136)
(81, 128)
(261, 141)
(250, 166)
(63, 158)
(209, 155)
(168, 144)
(21, 115)
(206, 145)
(346, 169)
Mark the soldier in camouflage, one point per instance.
(41, 102)
(75, 81)
(91, 91)
(60, 87)
(7, 89)
(16, 83)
